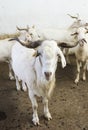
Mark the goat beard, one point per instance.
(45, 83)
(48, 86)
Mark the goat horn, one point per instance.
(21, 29)
(27, 44)
(74, 17)
(20, 41)
(67, 45)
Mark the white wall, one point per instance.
(46, 13)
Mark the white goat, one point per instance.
(27, 35)
(37, 69)
(5, 50)
(76, 24)
(30, 32)
(81, 52)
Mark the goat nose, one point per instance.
(47, 75)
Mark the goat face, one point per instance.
(48, 57)
(33, 33)
(48, 60)
(81, 35)
(25, 36)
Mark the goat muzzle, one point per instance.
(48, 75)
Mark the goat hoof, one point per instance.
(24, 89)
(48, 116)
(18, 89)
(76, 82)
(12, 78)
(36, 121)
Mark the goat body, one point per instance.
(81, 52)
(5, 50)
(5, 54)
(37, 72)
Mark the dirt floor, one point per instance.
(68, 105)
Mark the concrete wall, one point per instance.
(45, 13)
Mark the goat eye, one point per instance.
(76, 33)
(31, 34)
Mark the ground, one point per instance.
(68, 104)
